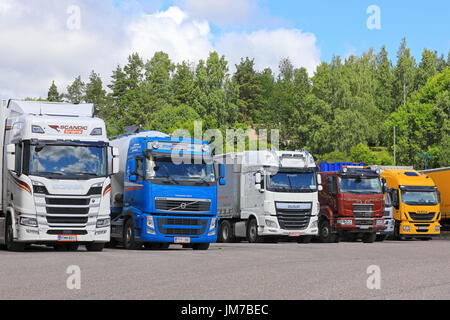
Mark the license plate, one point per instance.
(182, 240)
(67, 238)
(423, 228)
(365, 227)
(294, 234)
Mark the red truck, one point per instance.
(351, 205)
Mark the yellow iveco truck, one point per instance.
(416, 204)
(441, 178)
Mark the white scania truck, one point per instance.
(269, 195)
(55, 179)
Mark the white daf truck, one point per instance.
(269, 195)
(55, 180)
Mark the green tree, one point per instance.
(75, 91)
(53, 94)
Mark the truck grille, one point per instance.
(293, 219)
(364, 222)
(422, 217)
(68, 211)
(174, 226)
(363, 210)
(182, 205)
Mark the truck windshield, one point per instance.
(166, 169)
(360, 185)
(292, 182)
(68, 161)
(427, 198)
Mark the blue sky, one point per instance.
(340, 26)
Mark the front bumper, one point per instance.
(39, 235)
(165, 226)
(360, 225)
(390, 226)
(418, 229)
(274, 228)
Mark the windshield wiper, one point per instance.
(172, 179)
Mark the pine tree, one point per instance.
(53, 94)
(75, 91)
(404, 74)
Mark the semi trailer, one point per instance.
(351, 204)
(55, 177)
(441, 178)
(269, 195)
(415, 198)
(165, 193)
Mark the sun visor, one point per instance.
(51, 109)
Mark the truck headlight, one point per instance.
(314, 224)
(380, 222)
(28, 222)
(213, 224)
(437, 229)
(406, 228)
(150, 222)
(271, 224)
(346, 222)
(103, 223)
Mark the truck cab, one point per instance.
(56, 177)
(352, 205)
(269, 195)
(416, 204)
(165, 193)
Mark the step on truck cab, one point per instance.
(441, 177)
(165, 193)
(269, 195)
(416, 204)
(351, 204)
(56, 176)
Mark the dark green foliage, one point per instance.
(346, 111)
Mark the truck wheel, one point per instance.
(252, 231)
(326, 235)
(9, 241)
(201, 246)
(129, 241)
(225, 232)
(369, 237)
(305, 239)
(95, 247)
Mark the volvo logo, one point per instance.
(183, 206)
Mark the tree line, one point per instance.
(346, 111)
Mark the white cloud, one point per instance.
(37, 46)
(172, 32)
(268, 47)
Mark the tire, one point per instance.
(325, 233)
(201, 246)
(369, 237)
(95, 247)
(252, 231)
(129, 241)
(9, 241)
(381, 237)
(225, 234)
(305, 239)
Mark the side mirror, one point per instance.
(258, 178)
(115, 152)
(222, 171)
(132, 166)
(115, 165)
(133, 178)
(319, 179)
(222, 182)
(11, 157)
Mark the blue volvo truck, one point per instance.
(165, 193)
